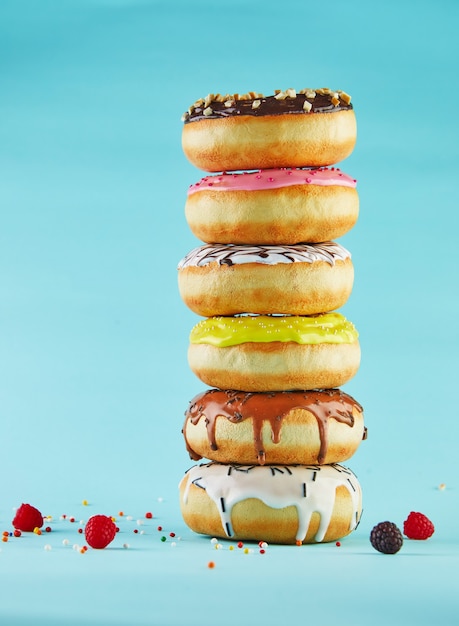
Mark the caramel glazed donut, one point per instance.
(273, 503)
(274, 353)
(251, 131)
(279, 427)
(300, 280)
(274, 206)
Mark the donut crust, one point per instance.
(287, 215)
(275, 366)
(295, 288)
(289, 140)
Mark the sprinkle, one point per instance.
(5, 533)
(218, 546)
(262, 551)
(129, 518)
(136, 530)
(85, 503)
(65, 542)
(173, 544)
(442, 486)
(71, 519)
(211, 565)
(263, 544)
(80, 530)
(17, 533)
(214, 540)
(240, 544)
(338, 543)
(299, 542)
(37, 531)
(246, 550)
(47, 547)
(4, 538)
(139, 522)
(160, 528)
(163, 538)
(48, 529)
(231, 548)
(171, 534)
(149, 515)
(126, 546)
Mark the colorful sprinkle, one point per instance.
(210, 564)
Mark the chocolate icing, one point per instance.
(269, 105)
(272, 406)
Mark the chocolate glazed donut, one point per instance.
(297, 427)
(288, 129)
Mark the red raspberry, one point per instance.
(27, 518)
(418, 526)
(99, 531)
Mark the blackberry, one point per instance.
(386, 537)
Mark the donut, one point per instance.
(278, 427)
(253, 131)
(301, 280)
(278, 504)
(274, 353)
(273, 206)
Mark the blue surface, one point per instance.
(93, 335)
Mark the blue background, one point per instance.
(94, 379)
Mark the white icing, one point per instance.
(329, 252)
(310, 488)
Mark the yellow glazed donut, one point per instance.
(274, 353)
(278, 427)
(274, 206)
(287, 129)
(301, 280)
(274, 503)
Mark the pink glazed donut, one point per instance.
(273, 206)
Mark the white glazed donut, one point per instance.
(299, 280)
(274, 353)
(274, 206)
(274, 503)
(288, 129)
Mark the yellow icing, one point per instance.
(230, 331)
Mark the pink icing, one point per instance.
(273, 179)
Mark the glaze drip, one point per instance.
(271, 407)
(309, 488)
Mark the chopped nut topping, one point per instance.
(208, 99)
(256, 104)
(291, 93)
(281, 95)
(229, 103)
(207, 111)
(307, 106)
(335, 100)
(345, 97)
(185, 116)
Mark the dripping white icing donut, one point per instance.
(301, 280)
(274, 206)
(274, 353)
(278, 504)
(288, 129)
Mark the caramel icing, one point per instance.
(309, 488)
(220, 331)
(271, 407)
(230, 254)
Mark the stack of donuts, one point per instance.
(270, 433)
